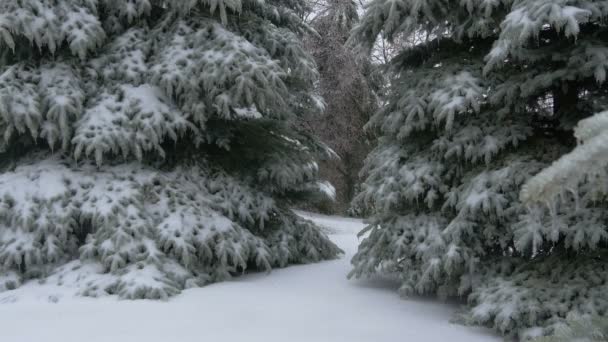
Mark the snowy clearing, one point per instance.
(309, 303)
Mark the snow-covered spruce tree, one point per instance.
(153, 140)
(474, 112)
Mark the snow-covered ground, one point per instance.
(309, 303)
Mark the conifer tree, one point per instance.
(154, 141)
(474, 113)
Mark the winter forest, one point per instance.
(304, 170)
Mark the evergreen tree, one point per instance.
(474, 112)
(154, 140)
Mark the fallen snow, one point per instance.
(312, 303)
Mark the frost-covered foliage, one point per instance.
(347, 83)
(588, 162)
(154, 140)
(464, 204)
(579, 329)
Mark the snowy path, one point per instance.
(309, 303)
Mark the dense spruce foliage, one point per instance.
(465, 197)
(154, 141)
